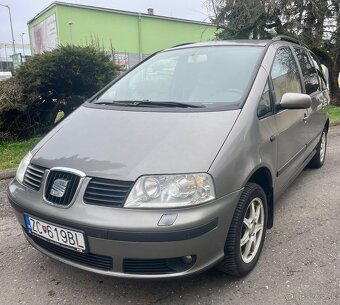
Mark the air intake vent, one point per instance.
(61, 187)
(157, 266)
(106, 192)
(33, 177)
(87, 259)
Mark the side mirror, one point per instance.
(295, 101)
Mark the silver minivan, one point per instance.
(175, 166)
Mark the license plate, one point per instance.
(68, 238)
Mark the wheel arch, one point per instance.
(264, 178)
(327, 125)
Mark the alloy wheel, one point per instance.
(323, 146)
(252, 230)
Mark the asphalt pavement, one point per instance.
(299, 263)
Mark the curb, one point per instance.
(7, 174)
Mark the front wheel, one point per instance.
(246, 233)
(320, 155)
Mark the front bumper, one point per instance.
(131, 236)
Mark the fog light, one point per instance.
(187, 259)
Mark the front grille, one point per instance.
(156, 266)
(87, 259)
(107, 192)
(33, 176)
(63, 194)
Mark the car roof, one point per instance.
(237, 42)
(240, 42)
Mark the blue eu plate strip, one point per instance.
(28, 223)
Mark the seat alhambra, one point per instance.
(175, 166)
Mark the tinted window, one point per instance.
(265, 106)
(319, 70)
(308, 71)
(285, 74)
(209, 76)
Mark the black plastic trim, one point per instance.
(156, 266)
(288, 39)
(86, 259)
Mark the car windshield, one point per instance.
(192, 77)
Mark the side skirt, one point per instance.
(300, 169)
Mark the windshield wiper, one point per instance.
(147, 103)
(108, 102)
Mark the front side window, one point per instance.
(265, 106)
(308, 71)
(203, 76)
(285, 74)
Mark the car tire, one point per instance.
(246, 233)
(320, 155)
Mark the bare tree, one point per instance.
(315, 22)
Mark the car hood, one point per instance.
(125, 144)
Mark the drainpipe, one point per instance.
(140, 37)
(7, 64)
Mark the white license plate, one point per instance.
(55, 234)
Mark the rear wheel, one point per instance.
(320, 155)
(246, 233)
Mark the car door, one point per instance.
(291, 138)
(317, 90)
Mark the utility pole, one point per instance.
(10, 21)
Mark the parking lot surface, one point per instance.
(299, 262)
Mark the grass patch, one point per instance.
(12, 152)
(334, 113)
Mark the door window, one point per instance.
(317, 65)
(265, 106)
(308, 71)
(285, 75)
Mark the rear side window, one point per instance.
(308, 71)
(285, 74)
(317, 65)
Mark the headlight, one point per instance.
(168, 191)
(23, 166)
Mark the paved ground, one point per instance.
(299, 263)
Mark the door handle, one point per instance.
(272, 138)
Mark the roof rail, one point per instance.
(288, 38)
(182, 44)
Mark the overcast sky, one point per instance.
(24, 10)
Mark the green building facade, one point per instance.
(131, 36)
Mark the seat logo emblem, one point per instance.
(59, 187)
